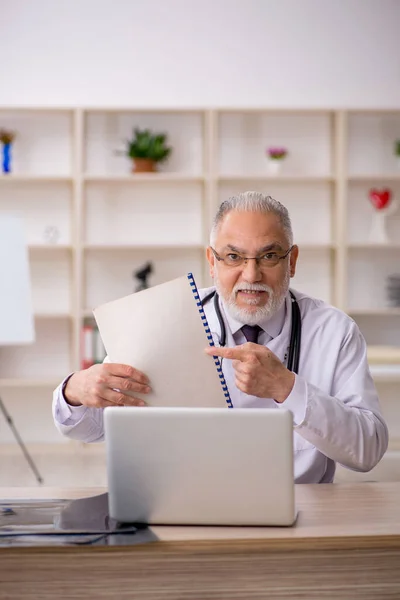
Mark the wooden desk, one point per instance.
(345, 544)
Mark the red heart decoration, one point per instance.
(380, 198)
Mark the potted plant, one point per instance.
(6, 138)
(147, 149)
(397, 152)
(276, 155)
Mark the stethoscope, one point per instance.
(295, 334)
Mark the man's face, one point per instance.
(251, 291)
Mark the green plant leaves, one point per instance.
(145, 144)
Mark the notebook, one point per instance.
(163, 331)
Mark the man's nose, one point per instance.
(251, 271)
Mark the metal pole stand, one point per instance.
(20, 443)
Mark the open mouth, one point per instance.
(251, 293)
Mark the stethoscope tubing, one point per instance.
(295, 334)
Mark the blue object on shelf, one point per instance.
(6, 158)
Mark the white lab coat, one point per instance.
(336, 411)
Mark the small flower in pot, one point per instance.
(147, 150)
(7, 136)
(277, 153)
(275, 156)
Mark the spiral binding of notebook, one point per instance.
(210, 339)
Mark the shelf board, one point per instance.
(52, 316)
(374, 177)
(307, 246)
(374, 312)
(277, 110)
(4, 179)
(371, 246)
(49, 247)
(37, 109)
(139, 247)
(383, 355)
(374, 111)
(145, 178)
(276, 178)
(30, 383)
(385, 373)
(144, 109)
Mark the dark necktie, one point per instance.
(251, 333)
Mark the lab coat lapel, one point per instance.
(280, 344)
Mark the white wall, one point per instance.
(200, 52)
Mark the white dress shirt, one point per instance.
(335, 407)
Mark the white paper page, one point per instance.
(159, 331)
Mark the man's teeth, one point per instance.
(251, 291)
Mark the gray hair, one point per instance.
(253, 202)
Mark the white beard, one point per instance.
(254, 317)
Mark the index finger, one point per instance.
(127, 372)
(237, 353)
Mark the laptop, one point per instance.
(200, 466)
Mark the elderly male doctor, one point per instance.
(337, 417)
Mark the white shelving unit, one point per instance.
(67, 174)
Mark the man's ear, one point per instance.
(211, 261)
(294, 255)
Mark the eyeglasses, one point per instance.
(264, 261)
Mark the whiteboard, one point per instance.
(16, 310)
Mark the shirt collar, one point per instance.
(271, 325)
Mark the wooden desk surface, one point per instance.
(330, 515)
(345, 544)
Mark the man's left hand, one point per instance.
(258, 371)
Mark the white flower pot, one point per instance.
(274, 166)
(378, 232)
